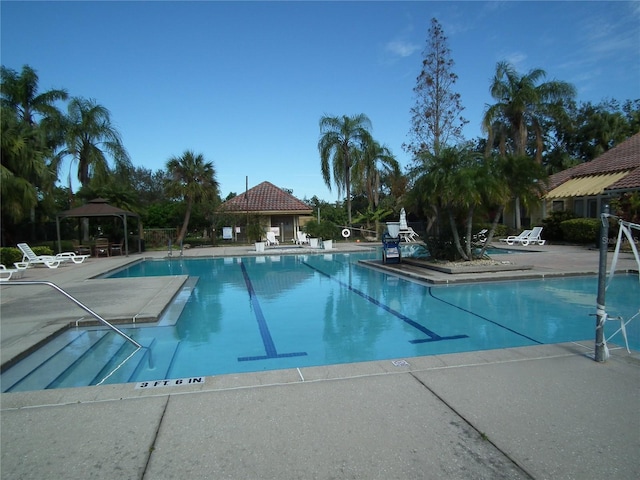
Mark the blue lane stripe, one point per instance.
(433, 337)
(483, 318)
(267, 340)
(269, 346)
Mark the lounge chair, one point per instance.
(271, 239)
(513, 239)
(71, 256)
(406, 233)
(30, 258)
(534, 237)
(6, 273)
(480, 238)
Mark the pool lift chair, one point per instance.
(391, 252)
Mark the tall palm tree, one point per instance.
(193, 180)
(341, 142)
(522, 102)
(90, 138)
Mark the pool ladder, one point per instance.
(80, 304)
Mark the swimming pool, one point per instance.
(262, 313)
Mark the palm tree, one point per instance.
(29, 167)
(376, 162)
(192, 179)
(20, 93)
(90, 137)
(522, 102)
(341, 143)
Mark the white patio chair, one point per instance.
(302, 238)
(72, 256)
(513, 239)
(6, 273)
(31, 258)
(534, 237)
(271, 239)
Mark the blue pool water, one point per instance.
(263, 313)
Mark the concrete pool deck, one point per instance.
(539, 412)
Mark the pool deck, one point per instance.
(543, 412)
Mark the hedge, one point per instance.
(580, 230)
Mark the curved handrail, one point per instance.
(77, 302)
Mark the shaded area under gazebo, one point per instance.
(99, 207)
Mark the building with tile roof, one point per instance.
(582, 188)
(278, 210)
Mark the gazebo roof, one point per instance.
(98, 207)
(266, 198)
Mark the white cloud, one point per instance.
(401, 48)
(516, 59)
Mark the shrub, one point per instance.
(552, 225)
(580, 230)
(326, 230)
(10, 255)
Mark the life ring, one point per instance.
(346, 233)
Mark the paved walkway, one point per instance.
(544, 412)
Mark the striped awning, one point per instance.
(590, 185)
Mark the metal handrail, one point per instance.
(77, 302)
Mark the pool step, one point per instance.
(46, 364)
(79, 358)
(94, 361)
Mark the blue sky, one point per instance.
(245, 83)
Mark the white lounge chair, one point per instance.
(513, 239)
(6, 273)
(271, 239)
(406, 233)
(30, 258)
(535, 237)
(480, 238)
(74, 257)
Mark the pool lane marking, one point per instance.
(267, 340)
(433, 337)
(483, 318)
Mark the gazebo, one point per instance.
(99, 207)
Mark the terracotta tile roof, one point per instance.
(266, 197)
(623, 157)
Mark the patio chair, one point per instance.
(6, 273)
(406, 233)
(513, 239)
(81, 249)
(116, 248)
(71, 256)
(534, 237)
(302, 238)
(102, 247)
(30, 258)
(271, 239)
(480, 238)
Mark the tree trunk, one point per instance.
(185, 224)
